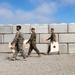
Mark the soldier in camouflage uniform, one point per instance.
(51, 38)
(18, 40)
(32, 42)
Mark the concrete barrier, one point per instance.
(43, 38)
(25, 28)
(71, 48)
(59, 28)
(4, 48)
(1, 38)
(27, 36)
(63, 48)
(5, 29)
(65, 34)
(67, 38)
(40, 28)
(71, 28)
(8, 38)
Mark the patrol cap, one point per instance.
(18, 26)
(52, 28)
(32, 28)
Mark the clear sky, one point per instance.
(37, 11)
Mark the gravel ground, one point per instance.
(53, 64)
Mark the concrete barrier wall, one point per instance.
(65, 34)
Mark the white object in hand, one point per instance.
(26, 45)
(13, 50)
(12, 47)
(54, 47)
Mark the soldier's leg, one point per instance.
(58, 52)
(15, 53)
(49, 49)
(20, 45)
(35, 48)
(30, 49)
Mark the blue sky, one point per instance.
(37, 11)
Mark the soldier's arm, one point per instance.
(54, 37)
(16, 38)
(31, 38)
(50, 37)
(21, 35)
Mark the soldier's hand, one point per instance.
(11, 43)
(26, 42)
(46, 39)
(52, 42)
(55, 40)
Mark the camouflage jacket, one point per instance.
(32, 38)
(19, 38)
(52, 37)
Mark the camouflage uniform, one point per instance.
(32, 42)
(18, 40)
(51, 38)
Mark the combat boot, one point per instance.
(58, 53)
(12, 59)
(39, 55)
(46, 53)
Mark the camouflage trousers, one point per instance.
(49, 48)
(33, 46)
(19, 48)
